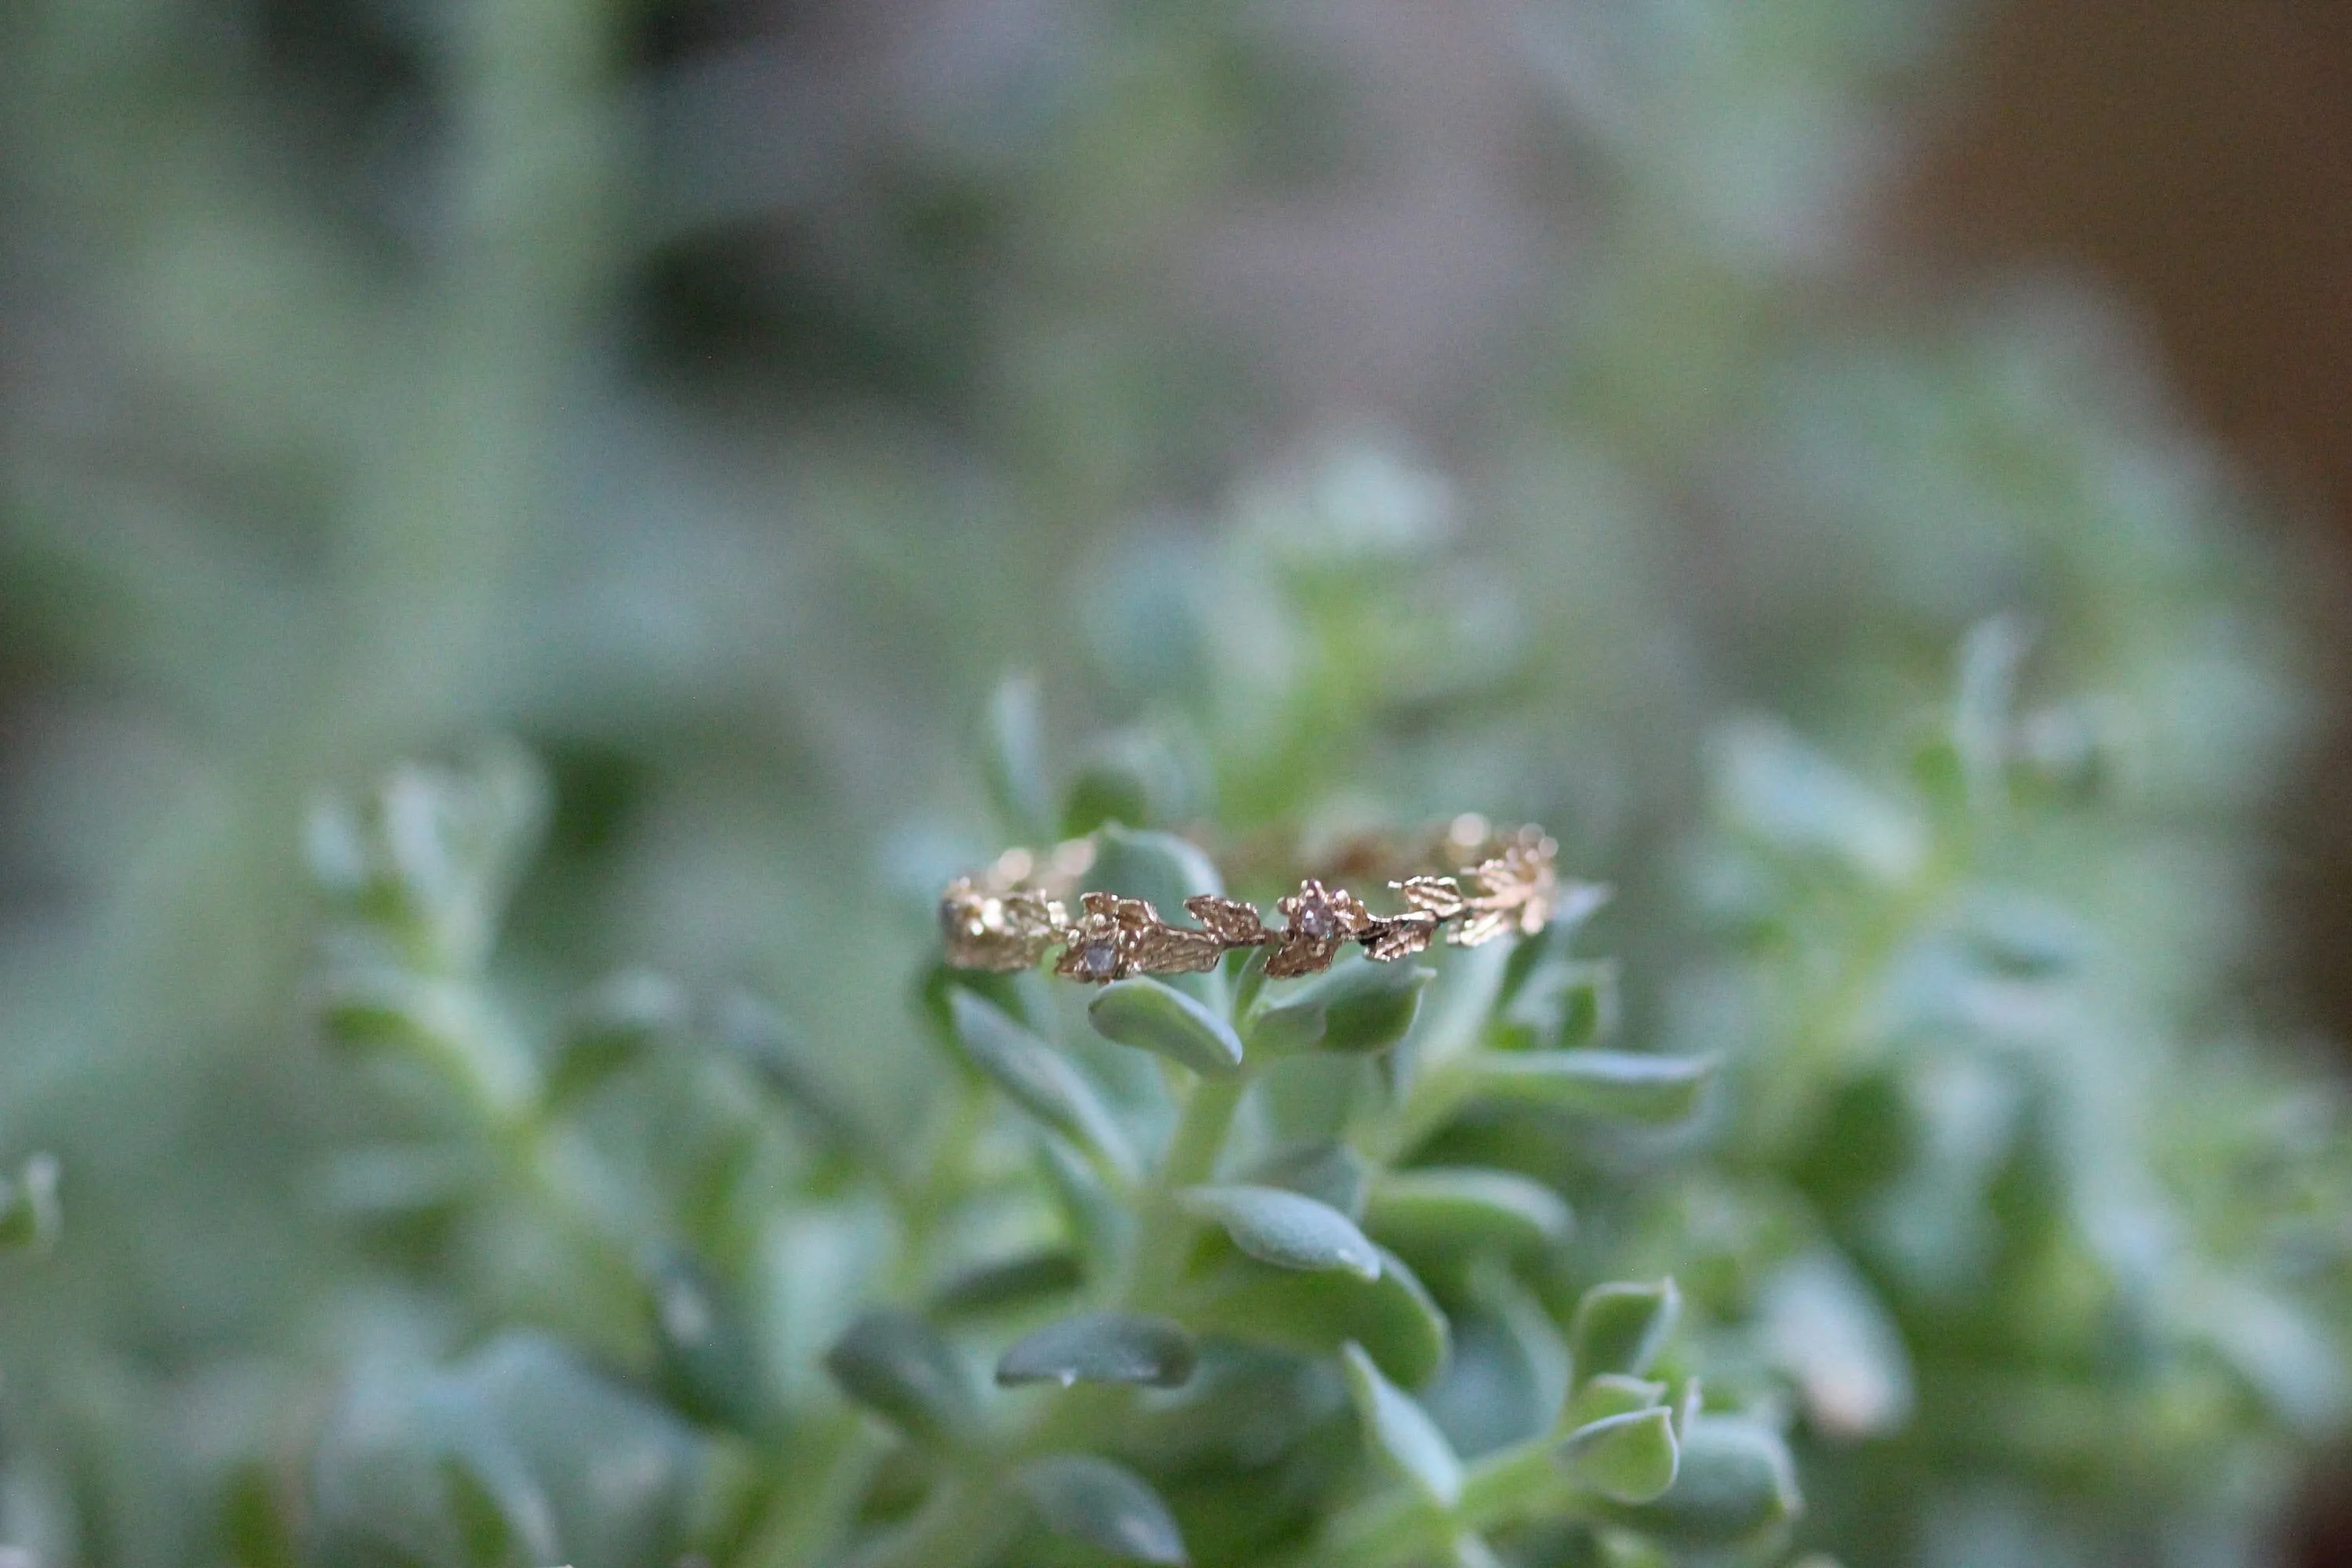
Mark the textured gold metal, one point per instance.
(1007, 918)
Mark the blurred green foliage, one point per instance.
(719, 402)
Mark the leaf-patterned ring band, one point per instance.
(1006, 917)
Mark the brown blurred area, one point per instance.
(2196, 155)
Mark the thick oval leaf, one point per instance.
(1159, 868)
(1772, 786)
(1356, 1005)
(1012, 756)
(1623, 1084)
(1452, 1209)
(1039, 1081)
(898, 1366)
(1628, 1458)
(30, 1215)
(1734, 1485)
(1394, 1317)
(520, 1448)
(1286, 1229)
(1620, 1328)
(1105, 1504)
(1102, 1347)
(1005, 1282)
(1151, 1016)
(613, 1025)
(1611, 1394)
(1563, 1004)
(1400, 1432)
(709, 1366)
(1368, 1007)
(1247, 1406)
(1099, 1224)
(776, 1054)
(1326, 1171)
(620, 1472)
(1825, 1326)
(1508, 1376)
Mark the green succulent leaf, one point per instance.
(709, 1366)
(1394, 1317)
(1400, 1432)
(1325, 1170)
(1773, 786)
(521, 1454)
(1562, 1004)
(1105, 1504)
(1102, 1347)
(1286, 1229)
(1628, 1458)
(1735, 1485)
(1442, 1209)
(1159, 868)
(1624, 1085)
(1620, 1327)
(1012, 754)
(1010, 1282)
(1151, 1016)
(614, 1026)
(1101, 1226)
(1040, 1080)
(497, 1526)
(1822, 1323)
(1356, 1005)
(1609, 1394)
(784, 1065)
(30, 1215)
(898, 1366)
(257, 1519)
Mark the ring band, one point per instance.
(1006, 919)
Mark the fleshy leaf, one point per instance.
(1105, 1504)
(1040, 1080)
(29, 1213)
(1620, 1328)
(1102, 1347)
(614, 1026)
(1394, 1317)
(1151, 1016)
(1776, 787)
(1562, 1004)
(1325, 1170)
(754, 1033)
(1286, 1229)
(1159, 868)
(1825, 1325)
(1397, 1429)
(1357, 1006)
(1098, 1223)
(1446, 1210)
(898, 1366)
(1630, 1086)
(709, 1366)
(1628, 1458)
(1011, 755)
(1734, 1485)
(1610, 1393)
(1012, 1281)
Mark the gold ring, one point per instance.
(1006, 917)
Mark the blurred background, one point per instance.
(719, 395)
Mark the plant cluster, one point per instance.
(1393, 1263)
(1226, 1267)
(380, 376)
